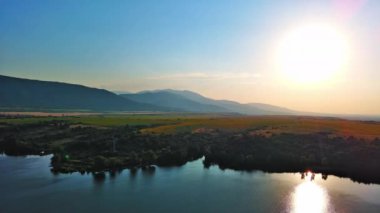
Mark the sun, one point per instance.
(312, 53)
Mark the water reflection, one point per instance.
(148, 171)
(27, 185)
(99, 177)
(309, 196)
(114, 173)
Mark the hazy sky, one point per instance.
(221, 49)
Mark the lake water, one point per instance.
(26, 185)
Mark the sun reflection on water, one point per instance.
(309, 197)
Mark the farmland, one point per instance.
(173, 123)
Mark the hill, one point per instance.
(169, 99)
(26, 94)
(35, 94)
(185, 100)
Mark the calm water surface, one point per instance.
(26, 185)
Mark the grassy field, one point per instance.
(277, 124)
(267, 125)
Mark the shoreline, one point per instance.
(88, 149)
(325, 172)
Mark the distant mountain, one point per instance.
(35, 94)
(250, 109)
(190, 101)
(18, 93)
(272, 108)
(168, 99)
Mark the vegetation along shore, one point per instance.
(100, 143)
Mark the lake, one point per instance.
(27, 185)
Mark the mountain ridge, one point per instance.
(37, 94)
(28, 93)
(223, 106)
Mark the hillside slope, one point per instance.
(185, 100)
(35, 94)
(171, 100)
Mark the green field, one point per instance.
(265, 125)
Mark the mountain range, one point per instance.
(34, 94)
(18, 93)
(193, 102)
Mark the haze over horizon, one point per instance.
(220, 49)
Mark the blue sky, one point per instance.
(219, 48)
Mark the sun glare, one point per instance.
(310, 197)
(312, 53)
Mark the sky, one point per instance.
(222, 49)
